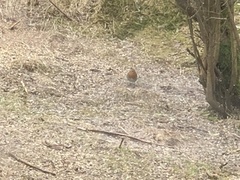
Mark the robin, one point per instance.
(132, 75)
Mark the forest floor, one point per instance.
(64, 97)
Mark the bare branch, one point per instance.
(29, 165)
(60, 10)
(117, 134)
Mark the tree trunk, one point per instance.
(219, 63)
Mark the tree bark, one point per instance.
(219, 63)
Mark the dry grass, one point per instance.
(54, 80)
(97, 18)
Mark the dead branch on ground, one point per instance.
(29, 165)
(56, 146)
(60, 10)
(117, 134)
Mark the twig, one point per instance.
(60, 10)
(191, 53)
(24, 87)
(120, 145)
(56, 146)
(12, 27)
(29, 165)
(236, 135)
(115, 134)
(231, 152)
(223, 165)
(212, 175)
(123, 130)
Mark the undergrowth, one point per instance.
(118, 18)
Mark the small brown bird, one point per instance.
(132, 75)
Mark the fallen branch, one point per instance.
(60, 10)
(56, 146)
(29, 165)
(115, 134)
